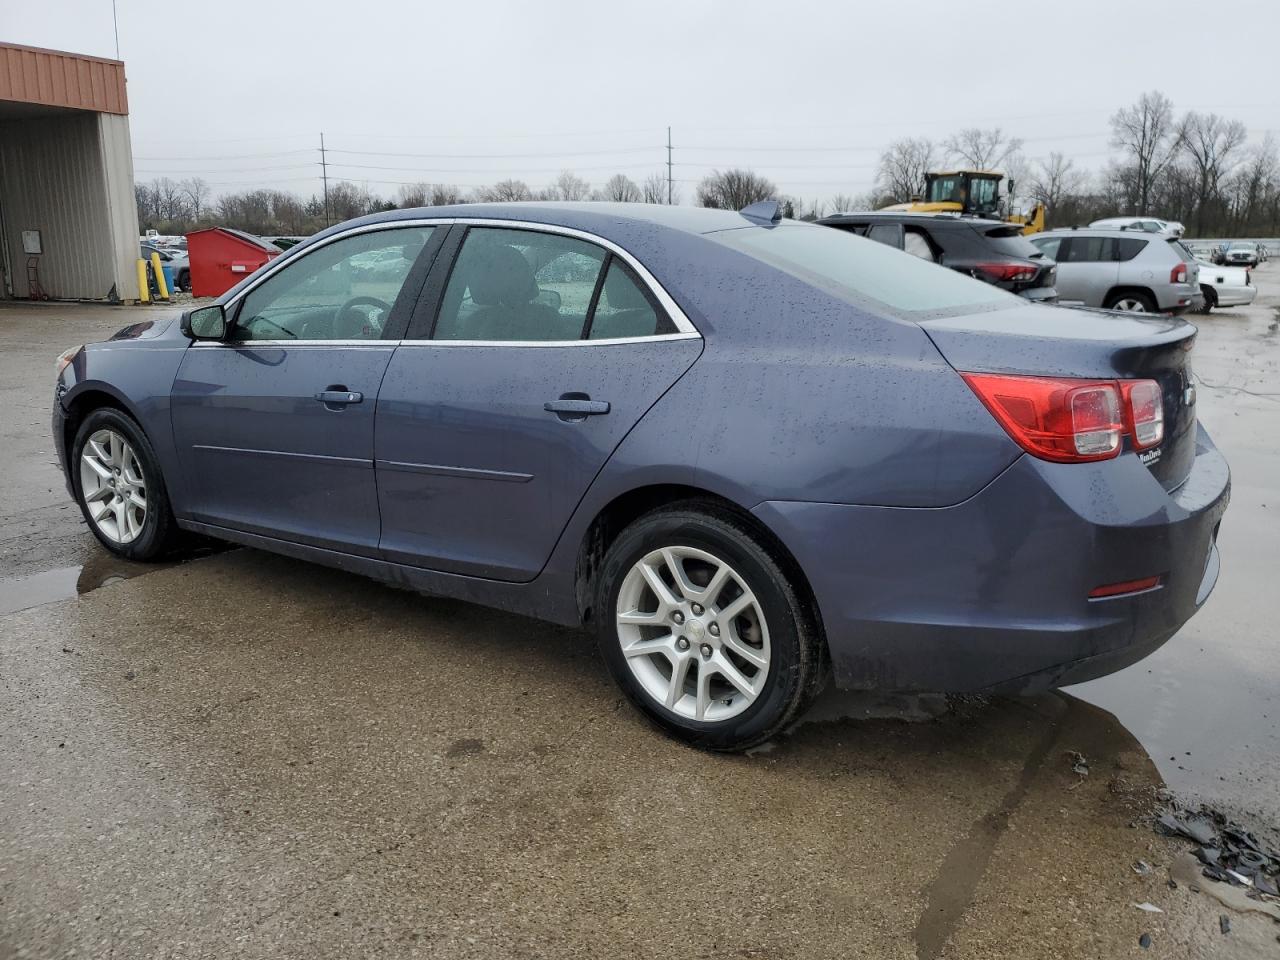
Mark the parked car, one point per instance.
(1241, 253)
(1122, 270)
(1167, 228)
(1224, 286)
(179, 264)
(744, 451)
(989, 250)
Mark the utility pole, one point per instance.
(115, 25)
(669, 191)
(324, 172)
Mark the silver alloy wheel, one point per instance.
(113, 486)
(693, 633)
(1130, 304)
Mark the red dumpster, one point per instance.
(221, 257)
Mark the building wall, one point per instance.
(66, 176)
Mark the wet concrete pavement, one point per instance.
(244, 755)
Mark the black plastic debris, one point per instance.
(1144, 941)
(1224, 923)
(1229, 853)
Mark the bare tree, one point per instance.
(569, 186)
(1051, 180)
(1259, 179)
(1149, 139)
(505, 191)
(196, 193)
(171, 202)
(655, 189)
(903, 166)
(981, 149)
(413, 195)
(734, 189)
(1211, 144)
(843, 203)
(621, 189)
(444, 195)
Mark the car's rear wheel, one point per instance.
(119, 487)
(704, 631)
(1133, 301)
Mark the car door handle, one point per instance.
(577, 407)
(339, 397)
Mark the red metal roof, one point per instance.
(56, 79)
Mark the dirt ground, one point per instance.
(248, 756)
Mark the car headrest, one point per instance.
(501, 275)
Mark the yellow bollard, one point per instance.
(144, 288)
(161, 286)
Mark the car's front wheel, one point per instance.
(119, 487)
(704, 631)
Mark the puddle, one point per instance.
(63, 583)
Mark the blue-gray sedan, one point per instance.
(749, 453)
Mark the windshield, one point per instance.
(946, 190)
(1242, 246)
(863, 271)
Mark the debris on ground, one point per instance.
(1224, 923)
(1228, 853)
(1141, 867)
(1079, 763)
(1148, 907)
(1144, 941)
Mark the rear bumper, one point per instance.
(993, 593)
(1235, 296)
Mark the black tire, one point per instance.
(159, 530)
(1210, 299)
(798, 662)
(1148, 304)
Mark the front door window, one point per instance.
(341, 291)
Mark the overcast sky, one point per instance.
(807, 93)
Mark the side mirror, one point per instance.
(207, 323)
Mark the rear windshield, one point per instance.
(861, 270)
(1010, 241)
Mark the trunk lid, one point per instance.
(1040, 340)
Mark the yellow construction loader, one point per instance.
(975, 193)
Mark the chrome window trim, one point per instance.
(602, 342)
(280, 263)
(684, 326)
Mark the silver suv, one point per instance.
(1121, 269)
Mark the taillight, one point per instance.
(1008, 272)
(1072, 421)
(1144, 406)
(1067, 421)
(1178, 274)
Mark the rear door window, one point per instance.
(1087, 250)
(886, 233)
(1010, 241)
(519, 285)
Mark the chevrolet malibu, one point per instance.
(748, 453)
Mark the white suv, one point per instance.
(1122, 270)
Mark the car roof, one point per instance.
(590, 215)
(899, 216)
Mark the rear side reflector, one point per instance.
(1072, 421)
(1125, 586)
(1067, 421)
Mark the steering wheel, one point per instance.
(352, 324)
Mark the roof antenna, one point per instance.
(764, 211)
